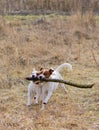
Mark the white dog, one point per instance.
(46, 89)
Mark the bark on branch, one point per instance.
(61, 81)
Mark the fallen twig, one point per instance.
(61, 81)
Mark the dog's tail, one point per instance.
(67, 65)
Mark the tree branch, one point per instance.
(61, 81)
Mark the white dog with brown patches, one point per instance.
(46, 89)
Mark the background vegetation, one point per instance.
(47, 6)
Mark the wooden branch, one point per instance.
(61, 81)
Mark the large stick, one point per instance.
(61, 81)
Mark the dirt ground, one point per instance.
(28, 42)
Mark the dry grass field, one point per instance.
(34, 41)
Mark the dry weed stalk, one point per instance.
(93, 55)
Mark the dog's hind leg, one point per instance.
(63, 86)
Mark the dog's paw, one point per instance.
(42, 108)
(28, 105)
(36, 102)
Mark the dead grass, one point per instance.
(28, 42)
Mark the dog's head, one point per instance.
(45, 73)
(35, 75)
(42, 73)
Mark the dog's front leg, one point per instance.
(48, 97)
(46, 100)
(43, 97)
(38, 93)
(29, 93)
(29, 98)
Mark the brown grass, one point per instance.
(28, 42)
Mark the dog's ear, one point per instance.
(51, 71)
(33, 69)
